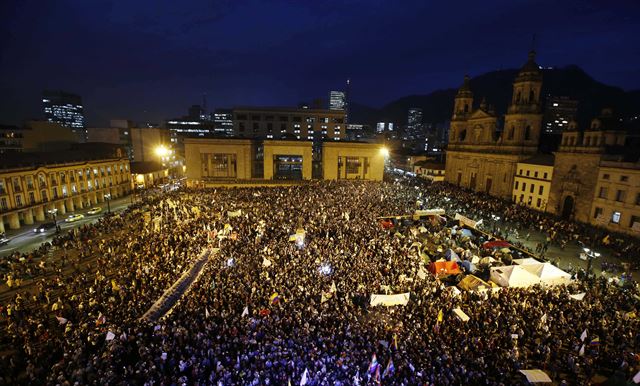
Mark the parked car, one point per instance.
(95, 210)
(3, 240)
(74, 218)
(44, 227)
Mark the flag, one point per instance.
(266, 262)
(440, 316)
(413, 369)
(61, 320)
(114, 285)
(388, 371)
(101, 319)
(374, 363)
(275, 298)
(245, 312)
(206, 312)
(289, 382)
(303, 381)
(376, 377)
(581, 352)
(636, 378)
(595, 341)
(544, 318)
(333, 287)
(394, 342)
(584, 335)
(110, 335)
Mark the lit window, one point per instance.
(615, 217)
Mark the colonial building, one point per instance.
(616, 205)
(479, 155)
(577, 165)
(33, 186)
(532, 182)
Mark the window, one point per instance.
(32, 198)
(533, 187)
(620, 194)
(3, 203)
(545, 176)
(516, 188)
(524, 186)
(527, 133)
(539, 202)
(541, 190)
(638, 199)
(527, 173)
(597, 213)
(624, 178)
(514, 198)
(535, 174)
(603, 192)
(520, 172)
(521, 197)
(605, 176)
(255, 117)
(352, 165)
(615, 217)
(18, 200)
(635, 222)
(241, 126)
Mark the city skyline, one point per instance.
(387, 51)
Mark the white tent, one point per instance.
(528, 260)
(548, 273)
(513, 276)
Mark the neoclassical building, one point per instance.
(479, 155)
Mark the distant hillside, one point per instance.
(496, 87)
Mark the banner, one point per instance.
(461, 315)
(390, 300)
(237, 213)
(465, 220)
(429, 212)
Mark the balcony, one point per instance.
(43, 185)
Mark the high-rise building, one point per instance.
(559, 111)
(65, 109)
(223, 122)
(337, 100)
(196, 123)
(414, 123)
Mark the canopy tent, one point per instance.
(444, 268)
(496, 244)
(548, 273)
(528, 260)
(472, 283)
(513, 276)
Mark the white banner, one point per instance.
(465, 220)
(429, 212)
(237, 213)
(390, 300)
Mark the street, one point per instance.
(25, 240)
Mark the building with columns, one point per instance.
(33, 185)
(484, 158)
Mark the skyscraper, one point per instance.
(337, 100)
(414, 122)
(65, 109)
(559, 111)
(223, 122)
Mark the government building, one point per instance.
(215, 161)
(39, 186)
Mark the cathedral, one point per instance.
(479, 155)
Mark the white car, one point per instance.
(95, 210)
(74, 218)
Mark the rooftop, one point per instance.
(540, 159)
(76, 155)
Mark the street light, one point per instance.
(384, 151)
(53, 212)
(107, 198)
(590, 256)
(162, 151)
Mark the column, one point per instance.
(100, 197)
(69, 205)
(2, 224)
(28, 217)
(39, 213)
(77, 202)
(14, 221)
(61, 209)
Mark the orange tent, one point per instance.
(444, 268)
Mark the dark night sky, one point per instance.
(150, 60)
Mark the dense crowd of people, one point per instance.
(285, 297)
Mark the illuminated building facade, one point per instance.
(65, 109)
(337, 100)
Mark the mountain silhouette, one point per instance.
(496, 87)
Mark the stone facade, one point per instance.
(350, 160)
(479, 156)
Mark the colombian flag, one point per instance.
(275, 298)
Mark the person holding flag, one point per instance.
(389, 370)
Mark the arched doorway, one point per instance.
(567, 207)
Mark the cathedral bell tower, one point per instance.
(462, 108)
(523, 121)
